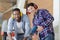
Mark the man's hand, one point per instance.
(40, 28)
(2, 33)
(25, 38)
(35, 37)
(10, 37)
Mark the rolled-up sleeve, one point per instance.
(27, 26)
(10, 25)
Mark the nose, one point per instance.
(16, 16)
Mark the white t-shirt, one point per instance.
(19, 26)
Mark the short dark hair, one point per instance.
(16, 9)
(32, 4)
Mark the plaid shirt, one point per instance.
(44, 18)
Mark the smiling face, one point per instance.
(16, 15)
(31, 9)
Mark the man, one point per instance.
(42, 22)
(21, 25)
(4, 30)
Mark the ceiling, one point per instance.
(6, 4)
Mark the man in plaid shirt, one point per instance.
(42, 21)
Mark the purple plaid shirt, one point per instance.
(44, 18)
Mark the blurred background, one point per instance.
(6, 7)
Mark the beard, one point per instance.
(18, 19)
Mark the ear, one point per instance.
(35, 6)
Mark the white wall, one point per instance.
(20, 5)
(56, 19)
(59, 20)
(56, 12)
